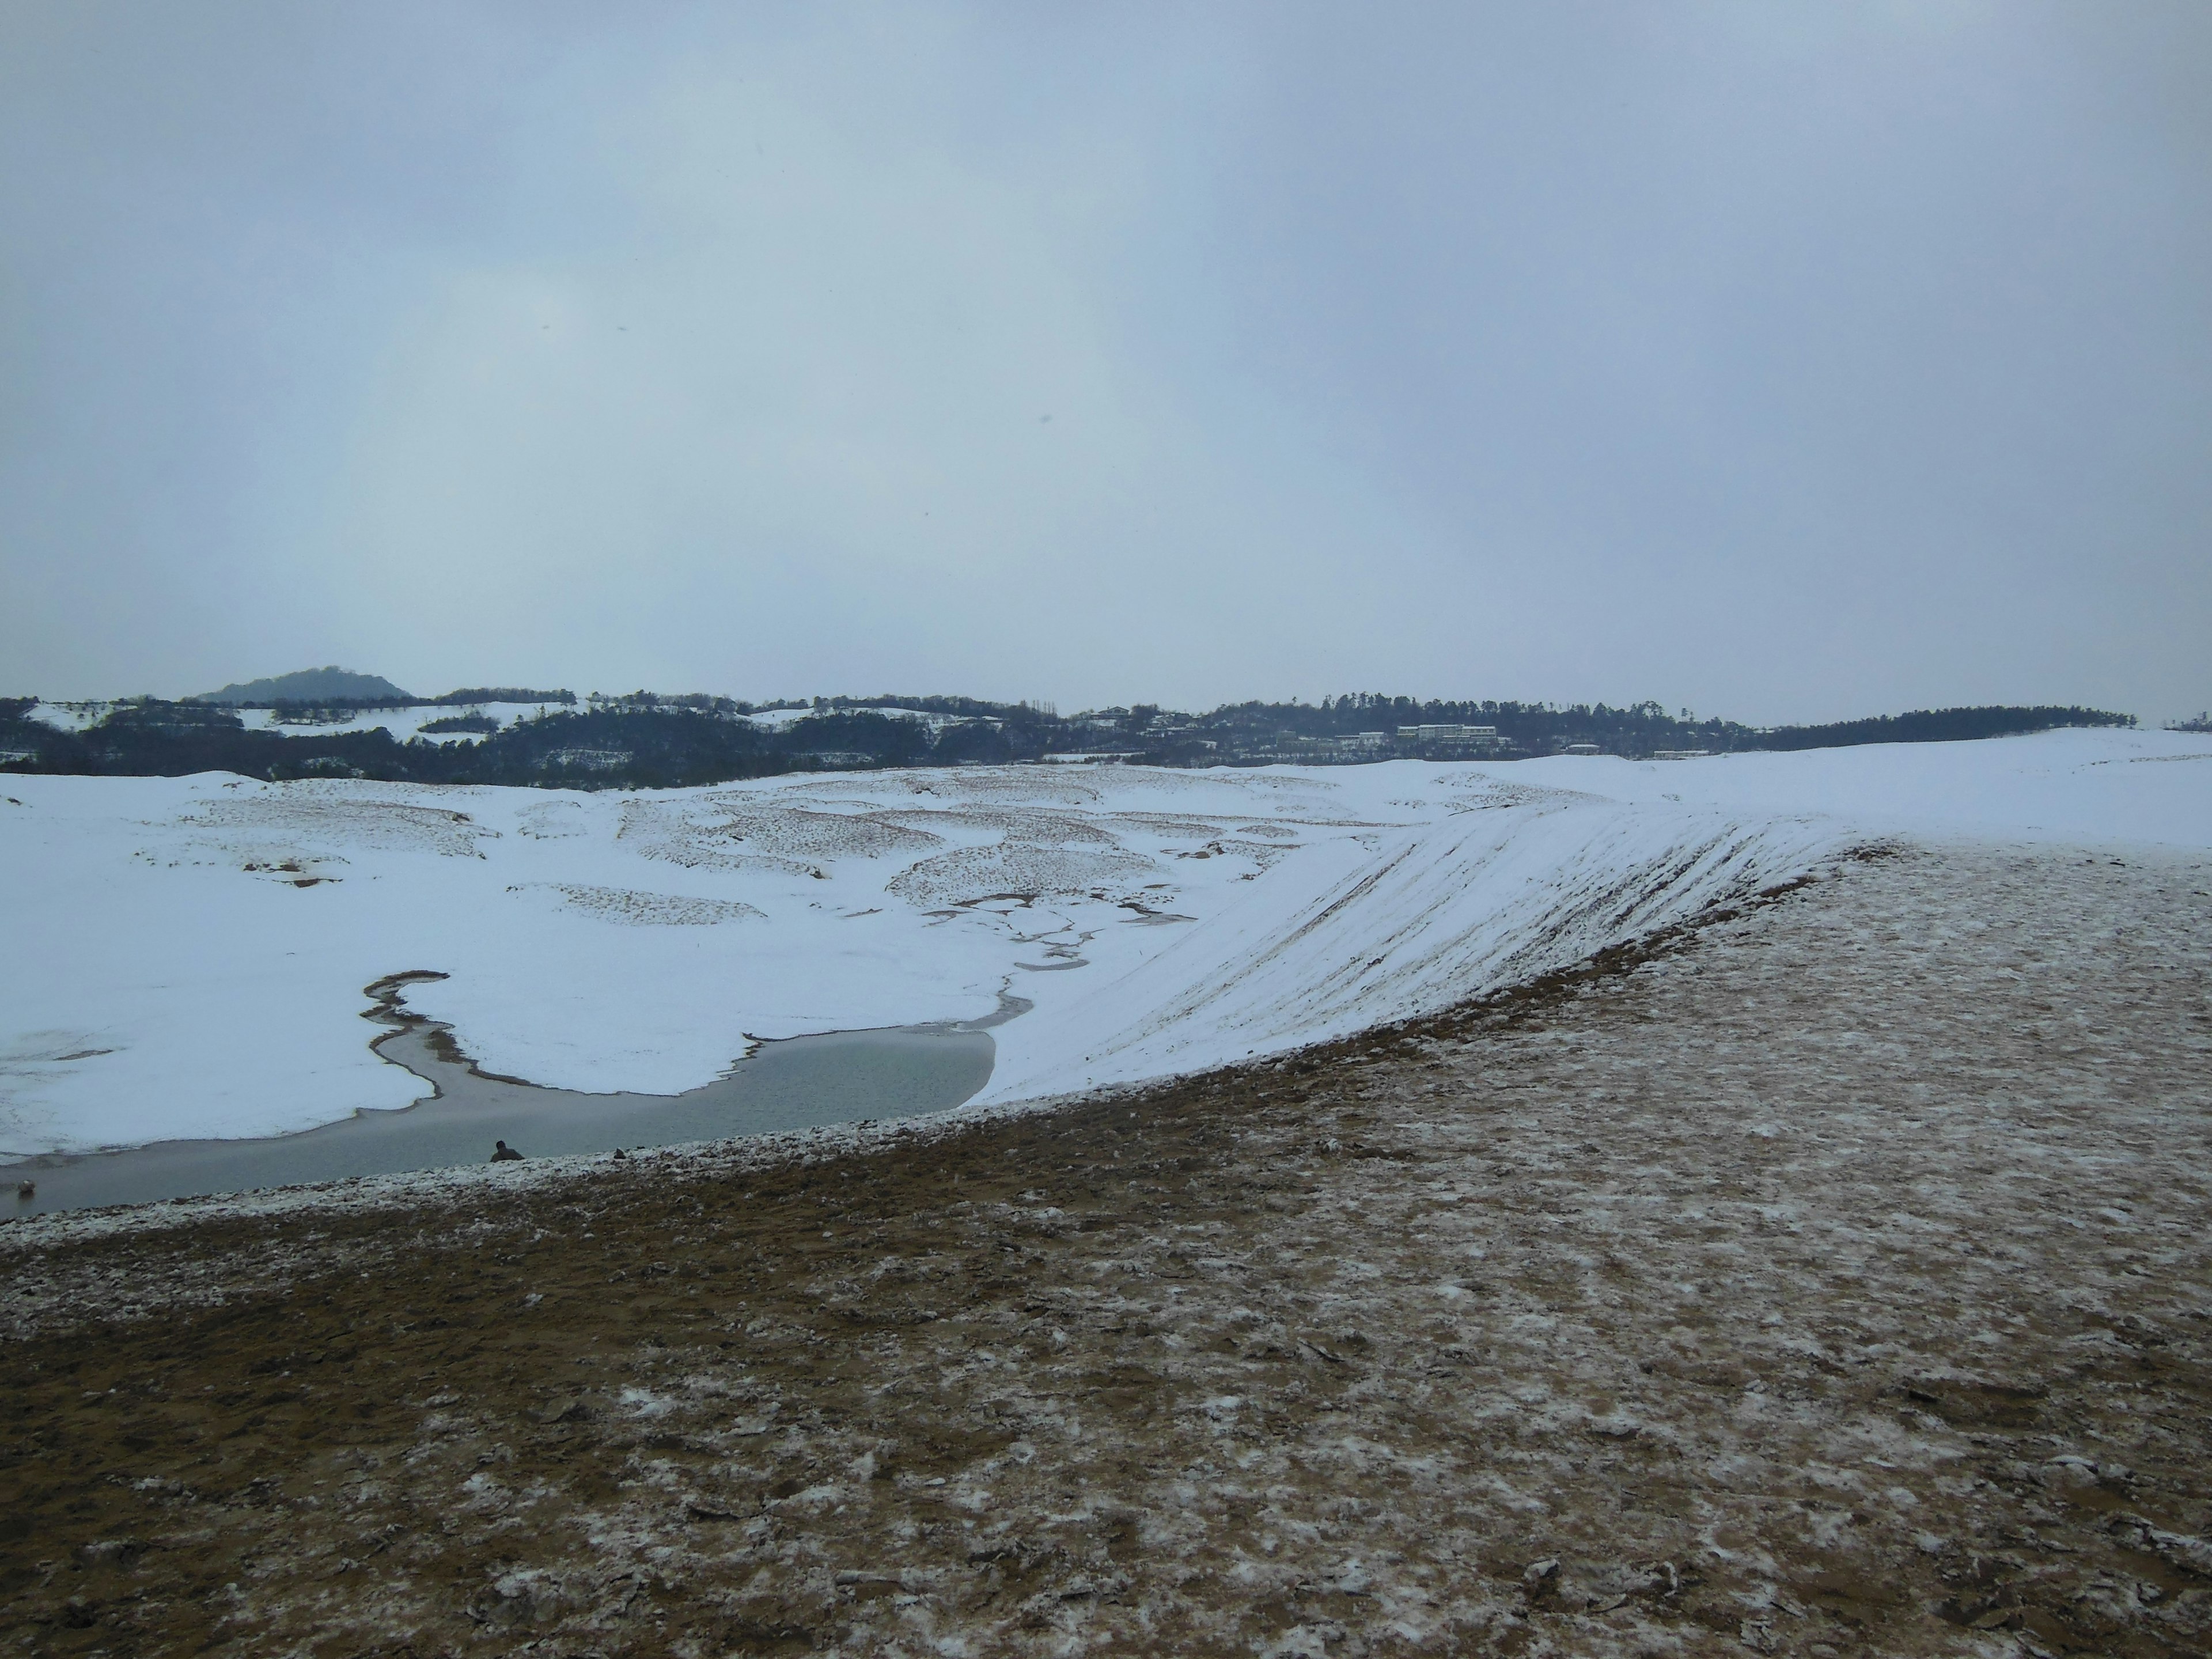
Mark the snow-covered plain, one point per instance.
(186, 957)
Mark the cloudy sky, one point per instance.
(1785, 363)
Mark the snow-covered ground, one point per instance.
(187, 956)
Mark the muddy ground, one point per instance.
(1836, 1281)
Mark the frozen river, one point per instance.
(801, 1083)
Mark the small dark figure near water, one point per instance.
(620, 1154)
(504, 1153)
(27, 1190)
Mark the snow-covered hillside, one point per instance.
(404, 723)
(782, 720)
(187, 956)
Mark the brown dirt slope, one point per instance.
(1836, 1283)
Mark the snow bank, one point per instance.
(187, 955)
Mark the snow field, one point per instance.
(187, 956)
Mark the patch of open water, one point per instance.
(798, 1083)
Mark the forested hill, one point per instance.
(309, 685)
(1537, 728)
(629, 744)
(644, 741)
(1936, 726)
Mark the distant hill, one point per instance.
(475, 694)
(310, 685)
(647, 741)
(1937, 726)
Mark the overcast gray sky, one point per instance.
(1783, 361)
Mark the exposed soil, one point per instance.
(1838, 1281)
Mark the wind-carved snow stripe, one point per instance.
(637, 909)
(1433, 921)
(341, 824)
(1017, 869)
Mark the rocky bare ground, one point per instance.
(1835, 1281)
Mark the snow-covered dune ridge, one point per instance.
(1506, 887)
(186, 957)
